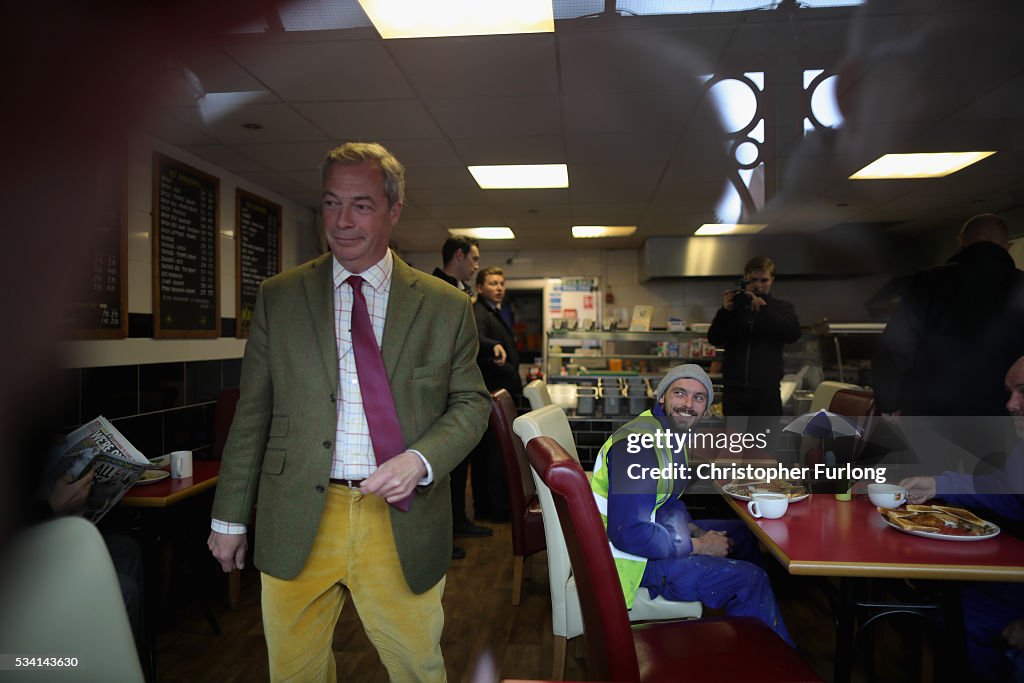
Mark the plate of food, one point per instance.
(939, 521)
(152, 477)
(161, 460)
(742, 490)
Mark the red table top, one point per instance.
(205, 474)
(824, 537)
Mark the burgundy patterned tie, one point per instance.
(378, 404)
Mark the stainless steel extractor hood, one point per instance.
(827, 254)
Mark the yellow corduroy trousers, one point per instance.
(354, 550)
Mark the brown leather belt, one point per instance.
(351, 483)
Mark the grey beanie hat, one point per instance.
(687, 371)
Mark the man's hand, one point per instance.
(713, 543)
(756, 302)
(499, 354)
(728, 299)
(395, 479)
(919, 489)
(69, 496)
(228, 549)
(1014, 634)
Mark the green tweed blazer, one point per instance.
(279, 451)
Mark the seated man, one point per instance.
(674, 556)
(993, 611)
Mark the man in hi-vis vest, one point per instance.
(655, 543)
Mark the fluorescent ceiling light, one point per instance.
(520, 177)
(581, 231)
(925, 165)
(730, 228)
(419, 19)
(483, 233)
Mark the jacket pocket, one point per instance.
(430, 370)
(278, 426)
(273, 461)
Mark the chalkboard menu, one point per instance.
(99, 307)
(257, 252)
(185, 251)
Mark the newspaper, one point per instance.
(116, 462)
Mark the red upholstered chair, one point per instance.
(524, 508)
(704, 650)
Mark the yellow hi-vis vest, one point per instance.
(630, 567)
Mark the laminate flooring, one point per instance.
(481, 625)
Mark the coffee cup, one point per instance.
(887, 495)
(768, 505)
(181, 464)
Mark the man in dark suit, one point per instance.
(460, 257)
(493, 320)
(302, 446)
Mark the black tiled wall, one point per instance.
(590, 434)
(159, 407)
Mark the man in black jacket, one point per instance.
(494, 320)
(958, 325)
(752, 326)
(460, 257)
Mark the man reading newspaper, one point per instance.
(96, 447)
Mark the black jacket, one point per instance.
(506, 376)
(486, 343)
(958, 329)
(753, 342)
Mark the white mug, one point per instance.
(768, 505)
(181, 464)
(887, 495)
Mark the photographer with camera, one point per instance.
(752, 326)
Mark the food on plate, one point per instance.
(779, 486)
(744, 488)
(940, 519)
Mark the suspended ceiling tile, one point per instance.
(394, 119)
(324, 70)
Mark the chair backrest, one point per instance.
(547, 421)
(536, 392)
(551, 421)
(824, 392)
(223, 415)
(858, 405)
(513, 460)
(611, 654)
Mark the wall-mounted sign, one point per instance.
(185, 251)
(257, 252)
(99, 306)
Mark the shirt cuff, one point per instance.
(429, 479)
(227, 527)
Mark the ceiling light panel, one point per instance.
(419, 19)
(730, 228)
(520, 177)
(924, 165)
(585, 231)
(492, 233)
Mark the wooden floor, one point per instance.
(480, 622)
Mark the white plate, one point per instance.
(161, 460)
(945, 537)
(152, 477)
(743, 491)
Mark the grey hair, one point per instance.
(354, 153)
